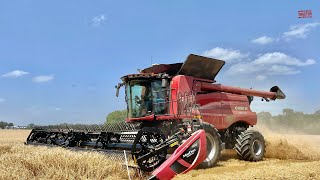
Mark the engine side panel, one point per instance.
(224, 109)
(236, 108)
(210, 107)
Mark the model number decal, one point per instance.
(241, 108)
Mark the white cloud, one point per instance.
(98, 20)
(281, 70)
(42, 79)
(57, 109)
(241, 68)
(15, 74)
(268, 64)
(225, 54)
(261, 77)
(263, 40)
(281, 58)
(2, 100)
(262, 70)
(300, 30)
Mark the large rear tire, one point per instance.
(250, 145)
(213, 147)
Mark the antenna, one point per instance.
(151, 63)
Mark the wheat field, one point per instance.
(287, 157)
(19, 161)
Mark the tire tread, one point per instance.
(243, 143)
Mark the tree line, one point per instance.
(5, 124)
(116, 116)
(291, 121)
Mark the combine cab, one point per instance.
(167, 105)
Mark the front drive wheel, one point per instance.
(250, 145)
(213, 147)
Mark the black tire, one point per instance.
(250, 145)
(213, 147)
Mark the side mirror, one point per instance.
(164, 83)
(118, 88)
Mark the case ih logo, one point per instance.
(241, 108)
(305, 14)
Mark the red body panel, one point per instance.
(180, 85)
(146, 118)
(218, 108)
(223, 109)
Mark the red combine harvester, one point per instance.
(175, 109)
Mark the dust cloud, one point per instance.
(295, 145)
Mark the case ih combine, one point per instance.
(173, 109)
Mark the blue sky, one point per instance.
(60, 60)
